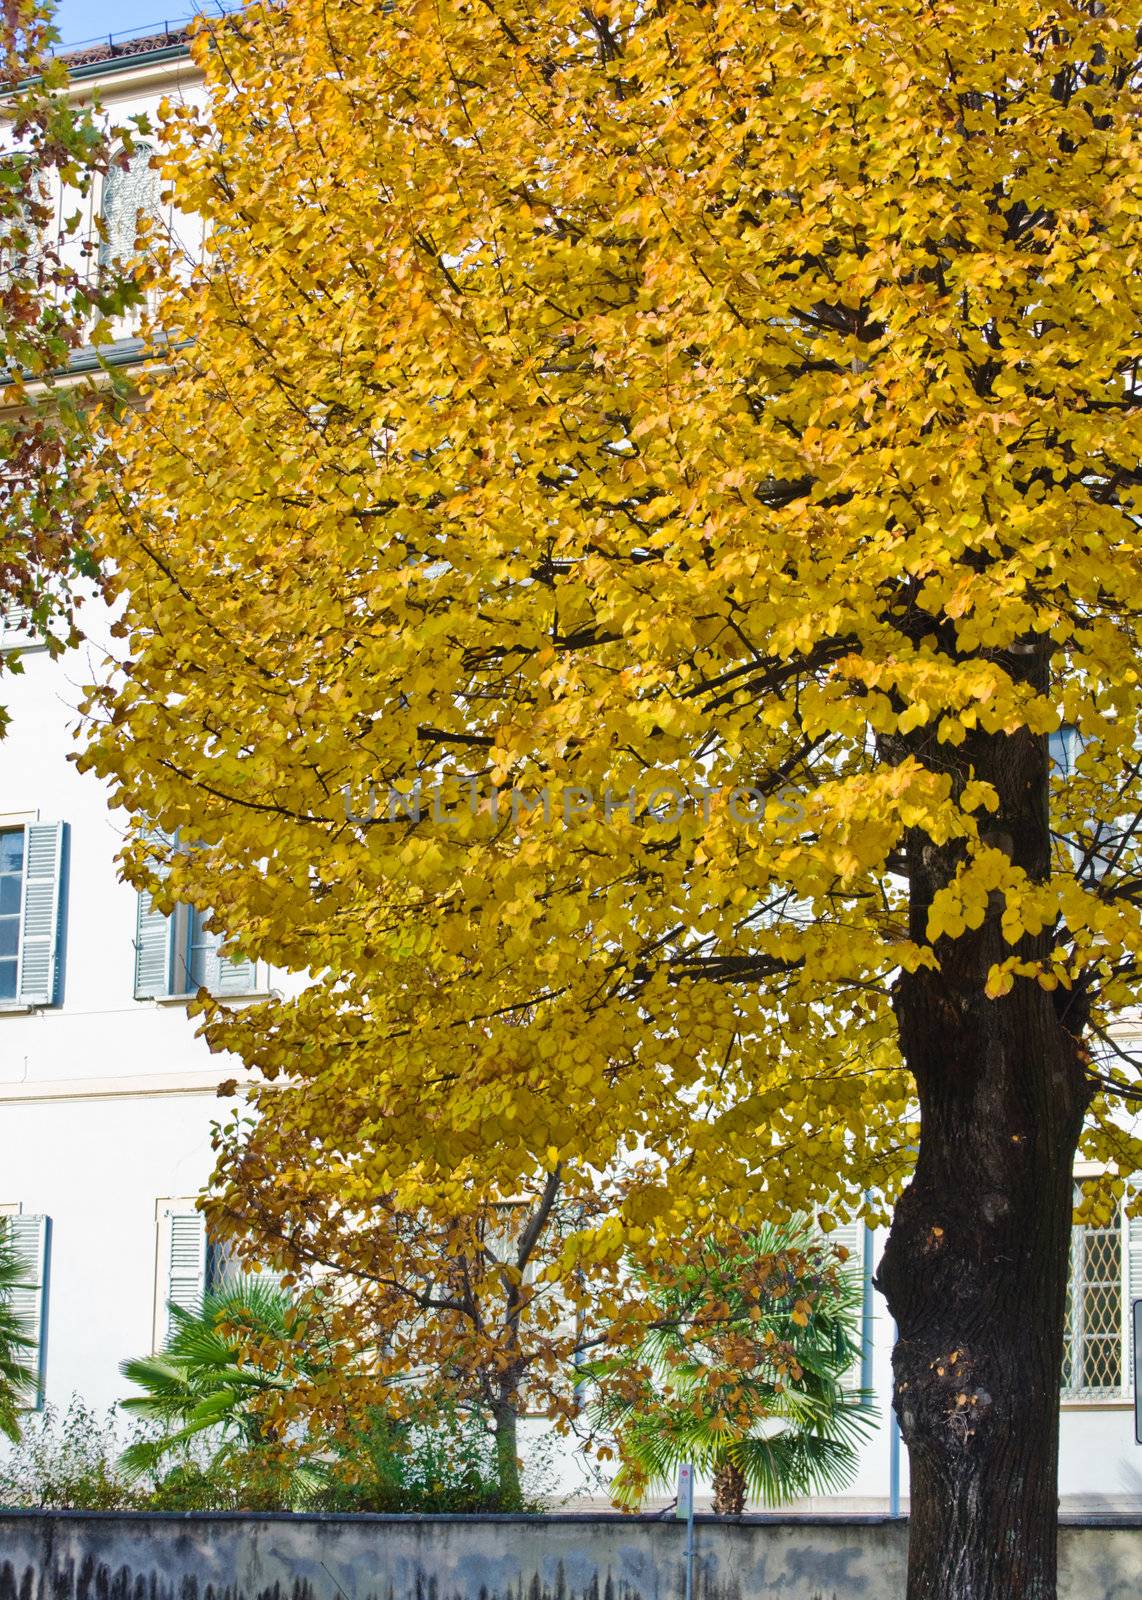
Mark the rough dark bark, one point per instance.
(729, 1490)
(975, 1270)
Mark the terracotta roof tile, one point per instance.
(118, 49)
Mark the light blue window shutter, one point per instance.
(39, 936)
(219, 973)
(207, 967)
(234, 977)
(152, 949)
(30, 1238)
(186, 1260)
(153, 937)
(850, 1236)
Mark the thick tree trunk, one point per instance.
(975, 1270)
(729, 1490)
(507, 1456)
(975, 1274)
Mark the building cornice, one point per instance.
(122, 69)
(110, 79)
(141, 1086)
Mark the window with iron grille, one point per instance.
(1092, 1355)
(130, 187)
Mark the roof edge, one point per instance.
(146, 51)
(117, 63)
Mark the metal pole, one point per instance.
(685, 1505)
(893, 1454)
(690, 1545)
(866, 1313)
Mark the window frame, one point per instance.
(17, 637)
(1122, 1395)
(181, 932)
(108, 251)
(42, 912)
(12, 1001)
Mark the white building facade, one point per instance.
(107, 1096)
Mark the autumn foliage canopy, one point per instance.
(688, 455)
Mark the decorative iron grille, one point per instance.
(1092, 1356)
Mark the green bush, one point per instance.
(67, 1461)
(71, 1460)
(390, 1466)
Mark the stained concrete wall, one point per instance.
(115, 1556)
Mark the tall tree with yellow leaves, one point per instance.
(641, 489)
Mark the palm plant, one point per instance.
(223, 1360)
(18, 1382)
(742, 1371)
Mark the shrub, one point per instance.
(67, 1461)
(71, 1460)
(448, 1465)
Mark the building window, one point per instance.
(198, 956)
(11, 902)
(1092, 1354)
(28, 213)
(18, 632)
(176, 955)
(31, 882)
(1091, 846)
(1106, 1279)
(190, 1264)
(130, 187)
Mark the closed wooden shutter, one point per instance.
(153, 933)
(40, 931)
(186, 1261)
(30, 1236)
(851, 1237)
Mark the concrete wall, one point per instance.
(74, 1556)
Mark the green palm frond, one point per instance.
(792, 1464)
(778, 1406)
(199, 1383)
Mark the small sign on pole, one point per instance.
(1138, 1371)
(685, 1505)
